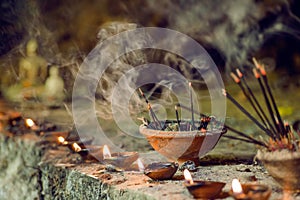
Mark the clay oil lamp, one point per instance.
(77, 149)
(161, 170)
(202, 189)
(120, 159)
(88, 152)
(30, 124)
(63, 139)
(55, 136)
(45, 129)
(18, 125)
(249, 191)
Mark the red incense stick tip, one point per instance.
(286, 123)
(239, 73)
(262, 70)
(234, 77)
(224, 92)
(256, 74)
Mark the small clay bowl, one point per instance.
(122, 159)
(253, 192)
(161, 170)
(205, 189)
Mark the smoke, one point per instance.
(236, 29)
(146, 58)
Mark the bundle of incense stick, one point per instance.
(155, 120)
(269, 122)
(245, 138)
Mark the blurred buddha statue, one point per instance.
(32, 74)
(32, 68)
(53, 93)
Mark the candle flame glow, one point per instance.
(29, 122)
(106, 152)
(76, 147)
(140, 165)
(236, 186)
(188, 176)
(61, 139)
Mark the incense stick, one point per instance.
(245, 140)
(257, 76)
(242, 134)
(241, 108)
(258, 104)
(238, 81)
(189, 109)
(177, 117)
(192, 107)
(265, 79)
(153, 116)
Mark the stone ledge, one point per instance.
(30, 169)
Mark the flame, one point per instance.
(236, 186)
(76, 147)
(61, 140)
(29, 122)
(188, 176)
(140, 165)
(106, 152)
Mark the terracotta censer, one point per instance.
(181, 146)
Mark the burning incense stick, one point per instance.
(177, 117)
(256, 102)
(244, 135)
(192, 107)
(265, 79)
(267, 131)
(153, 116)
(189, 109)
(238, 81)
(257, 76)
(245, 140)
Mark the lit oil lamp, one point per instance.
(61, 140)
(161, 170)
(120, 159)
(202, 189)
(55, 136)
(88, 152)
(249, 191)
(30, 124)
(40, 128)
(77, 149)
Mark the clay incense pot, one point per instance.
(181, 146)
(283, 166)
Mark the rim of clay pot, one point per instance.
(277, 155)
(178, 134)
